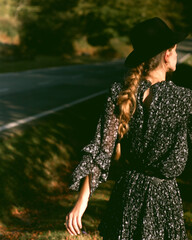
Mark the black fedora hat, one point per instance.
(149, 38)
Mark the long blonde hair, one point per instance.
(127, 98)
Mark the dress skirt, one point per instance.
(143, 208)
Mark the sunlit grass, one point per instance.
(36, 162)
(52, 235)
(39, 62)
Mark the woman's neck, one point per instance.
(157, 75)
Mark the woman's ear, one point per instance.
(166, 56)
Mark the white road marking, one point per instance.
(4, 90)
(45, 113)
(181, 60)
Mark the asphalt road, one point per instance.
(33, 92)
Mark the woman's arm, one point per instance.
(73, 219)
(95, 162)
(96, 156)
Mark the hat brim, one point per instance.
(136, 57)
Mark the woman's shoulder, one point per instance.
(180, 91)
(181, 96)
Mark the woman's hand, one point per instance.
(73, 219)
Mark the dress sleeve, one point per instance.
(190, 128)
(189, 125)
(97, 154)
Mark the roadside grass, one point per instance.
(13, 60)
(35, 168)
(38, 62)
(36, 163)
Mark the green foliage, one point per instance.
(52, 26)
(8, 27)
(187, 7)
(105, 20)
(48, 26)
(8, 23)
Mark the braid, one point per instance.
(127, 98)
(127, 103)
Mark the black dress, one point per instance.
(145, 202)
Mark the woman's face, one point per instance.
(172, 59)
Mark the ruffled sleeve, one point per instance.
(96, 157)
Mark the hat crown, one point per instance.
(150, 38)
(149, 32)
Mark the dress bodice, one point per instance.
(156, 142)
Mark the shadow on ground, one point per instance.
(37, 161)
(36, 164)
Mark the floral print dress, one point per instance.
(145, 203)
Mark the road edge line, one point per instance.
(62, 107)
(48, 112)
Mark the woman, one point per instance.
(147, 122)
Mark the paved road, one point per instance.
(184, 49)
(29, 93)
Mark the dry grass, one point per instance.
(36, 162)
